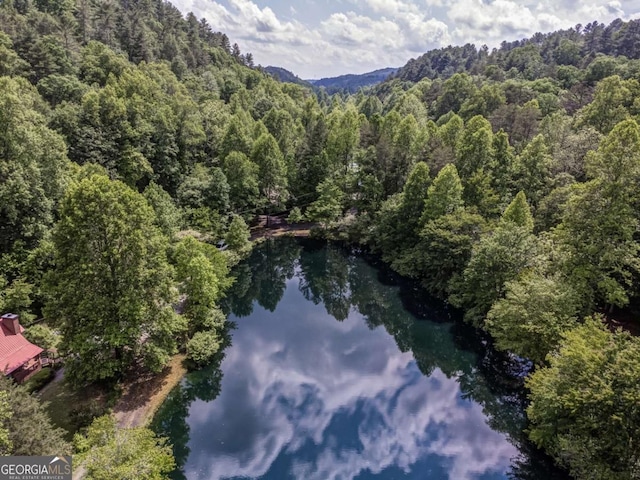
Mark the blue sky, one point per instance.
(316, 38)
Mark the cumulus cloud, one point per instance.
(293, 389)
(355, 36)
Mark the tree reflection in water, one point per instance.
(315, 399)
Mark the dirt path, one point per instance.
(278, 227)
(143, 395)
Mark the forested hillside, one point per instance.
(353, 83)
(133, 139)
(286, 76)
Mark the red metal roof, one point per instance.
(15, 350)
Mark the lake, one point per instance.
(335, 368)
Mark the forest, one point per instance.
(134, 139)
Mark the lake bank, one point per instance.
(324, 360)
(141, 397)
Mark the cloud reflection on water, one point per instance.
(304, 396)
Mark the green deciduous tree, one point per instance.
(205, 187)
(272, 176)
(414, 195)
(474, 149)
(203, 273)
(609, 105)
(532, 170)
(43, 336)
(584, 406)
(237, 236)
(444, 196)
(518, 212)
(203, 346)
(5, 414)
(443, 251)
(242, 176)
(533, 314)
(597, 235)
(108, 452)
(168, 215)
(328, 207)
(33, 165)
(617, 160)
(501, 256)
(111, 290)
(343, 136)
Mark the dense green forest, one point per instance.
(506, 181)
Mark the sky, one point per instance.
(325, 38)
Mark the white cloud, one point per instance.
(368, 34)
(327, 370)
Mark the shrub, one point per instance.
(202, 347)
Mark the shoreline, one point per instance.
(141, 399)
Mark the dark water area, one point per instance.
(336, 368)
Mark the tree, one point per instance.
(168, 215)
(584, 405)
(533, 314)
(328, 207)
(42, 336)
(596, 235)
(609, 105)
(414, 195)
(238, 235)
(33, 165)
(617, 160)
(203, 273)
(29, 428)
(272, 175)
(108, 452)
(599, 223)
(456, 90)
(295, 215)
(503, 163)
(205, 187)
(518, 212)
(443, 251)
(18, 298)
(444, 196)
(474, 150)
(203, 346)
(242, 176)
(343, 137)
(111, 291)
(532, 170)
(501, 256)
(407, 143)
(10, 63)
(5, 414)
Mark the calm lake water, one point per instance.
(335, 369)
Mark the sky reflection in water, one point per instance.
(304, 396)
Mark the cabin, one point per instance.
(19, 358)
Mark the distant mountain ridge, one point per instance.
(351, 83)
(285, 76)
